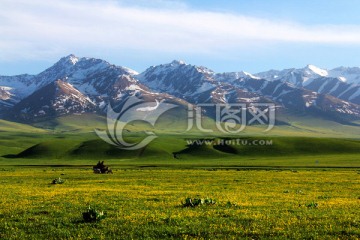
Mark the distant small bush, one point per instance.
(312, 205)
(194, 202)
(230, 204)
(57, 181)
(93, 215)
(7, 170)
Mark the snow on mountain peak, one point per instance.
(88, 83)
(232, 76)
(130, 71)
(72, 59)
(350, 75)
(343, 79)
(317, 70)
(177, 62)
(246, 74)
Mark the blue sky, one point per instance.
(303, 11)
(238, 35)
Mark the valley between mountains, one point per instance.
(53, 115)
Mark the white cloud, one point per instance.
(37, 29)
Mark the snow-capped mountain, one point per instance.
(343, 83)
(55, 99)
(299, 77)
(14, 88)
(346, 74)
(91, 76)
(196, 84)
(302, 76)
(295, 98)
(179, 79)
(336, 88)
(231, 76)
(99, 81)
(202, 85)
(76, 85)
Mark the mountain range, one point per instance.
(76, 85)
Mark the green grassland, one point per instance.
(147, 204)
(71, 140)
(304, 185)
(85, 149)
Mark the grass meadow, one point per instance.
(305, 185)
(147, 204)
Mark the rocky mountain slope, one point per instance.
(55, 99)
(201, 85)
(342, 83)
(76, 85)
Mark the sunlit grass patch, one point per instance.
(148, 204)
